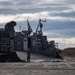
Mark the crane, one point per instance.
(40, 25)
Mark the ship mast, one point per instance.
(29, 28)
(40, 25)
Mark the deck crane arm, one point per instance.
(40, 25)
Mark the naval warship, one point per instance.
(12, 41)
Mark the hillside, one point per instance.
(69, 52)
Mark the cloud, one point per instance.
(60, 15)
(63, 40)
(22, 17)
(62, 33)
(52, 34)
(31, 16)
(3, 0)
(57, 8)
(51, 1)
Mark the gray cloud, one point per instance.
(60, 13)
(30, 6)
(58, 25)
(64, 14)
(65, 33)
(6, 3)
(58, 29)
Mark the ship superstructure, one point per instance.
(11, 41)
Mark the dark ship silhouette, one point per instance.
(11, 41)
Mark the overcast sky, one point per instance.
(60, 16)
